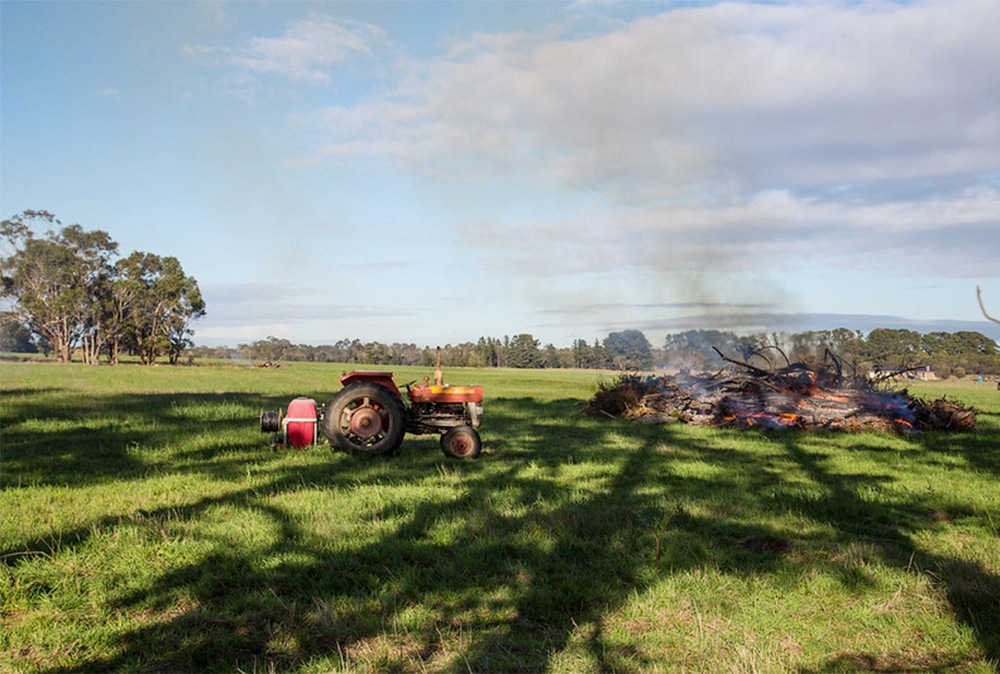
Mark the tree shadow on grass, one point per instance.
(972, 591)
(978, 449)
(72, 440)
(499, 566)
(506, 570)
(82, 442)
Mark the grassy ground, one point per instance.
(145, 524)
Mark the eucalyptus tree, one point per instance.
(57, 281)
(157, 302)
(63, 288)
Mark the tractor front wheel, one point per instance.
(461, 442)
(367, 418)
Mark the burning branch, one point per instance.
(755, 370)
(979, 296)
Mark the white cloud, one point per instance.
(308, 51)
(697, 148)
(733, 94)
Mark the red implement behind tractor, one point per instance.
(371, 416)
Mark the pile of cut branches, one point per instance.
(824, 396)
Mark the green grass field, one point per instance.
(146, 524)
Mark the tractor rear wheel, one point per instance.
(365, 417)
(461, 442)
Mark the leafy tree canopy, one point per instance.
(629, 350)
(67, 293)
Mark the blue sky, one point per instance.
(436, 172)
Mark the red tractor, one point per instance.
(369, 415)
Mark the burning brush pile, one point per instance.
(809, 397)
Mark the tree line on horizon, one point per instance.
(888, 350)
(66, 293)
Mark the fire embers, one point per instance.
(794, 397)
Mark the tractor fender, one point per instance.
(375, 377)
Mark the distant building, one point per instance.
(923, 374)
